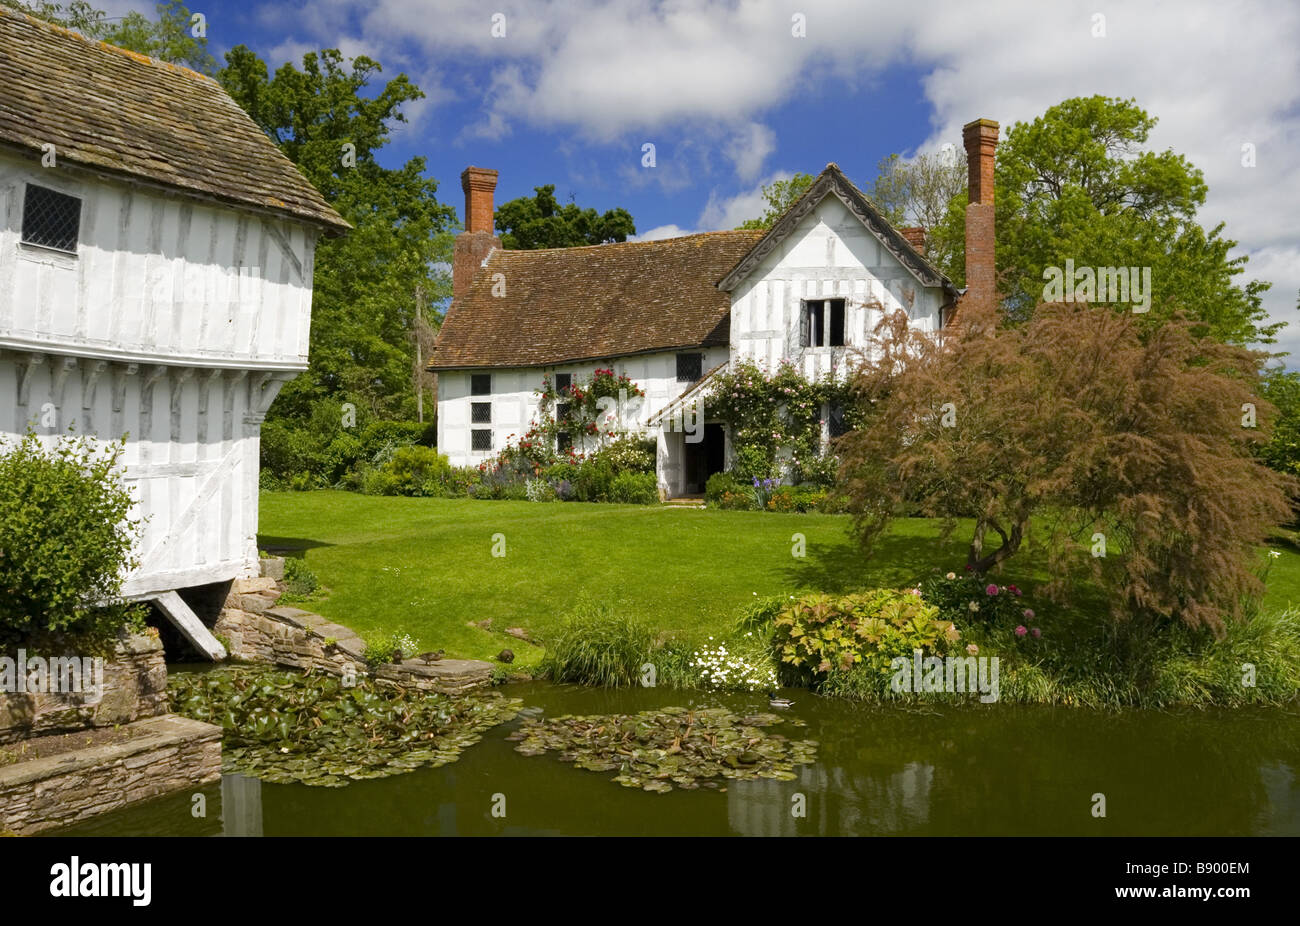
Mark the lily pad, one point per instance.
(654, 750)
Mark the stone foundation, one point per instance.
(135, 688)
(255, 629)
(164, 754)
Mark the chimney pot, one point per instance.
(479, 184)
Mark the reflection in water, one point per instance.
(969, 770)
(241, 805)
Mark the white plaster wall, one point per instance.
(515, 404)
(830, 255)
(155, 278)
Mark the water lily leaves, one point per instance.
(286, 727)
(655, 750)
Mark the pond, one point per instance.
(971, 770)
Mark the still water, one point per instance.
(977, 770)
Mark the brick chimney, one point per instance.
(473, 245)
(981, 141)
(915, 236)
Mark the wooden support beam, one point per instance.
(188, 623)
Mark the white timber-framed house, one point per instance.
(156, 256)
(670, 313)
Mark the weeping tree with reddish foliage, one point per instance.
(1136, 444)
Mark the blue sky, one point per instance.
(732, 97)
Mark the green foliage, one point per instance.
(389, 646)
(66, 540)
(772, 411)
(631, 488)
(540, 221)
(1282, 452)
(415, 470)
(780, 196)
(971, 598)
(819, 634)
(299, 581)
(598, 645)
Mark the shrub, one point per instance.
(635, 488)
(299, 581)
(539, 490)
(384, 647)
(820, 634)
(628, 454)
(416, 470)
(66, 541)
(718, 485)
(594, 482)
(743, 499)
(970, 598)
(598, 645)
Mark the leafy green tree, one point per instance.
(780, 196)
(1078, 183)
(539, 221)
(324, 119)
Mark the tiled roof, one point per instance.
(125, 114)
(564, 305)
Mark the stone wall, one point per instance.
(135, 688)
(163, 754)
(256, 629)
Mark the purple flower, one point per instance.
(756, 482)
(992, 589)
(1022, 630)
(1029, 614)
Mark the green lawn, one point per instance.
(425, 566)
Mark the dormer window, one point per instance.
(822, 323)
(51, 219)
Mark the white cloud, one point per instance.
(749, 148)
(728, 212)
(660, 232)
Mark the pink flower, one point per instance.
(1037, 633)
(992, 589)
(1022, 630)
(1029, 614)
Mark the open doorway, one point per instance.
(705, 458)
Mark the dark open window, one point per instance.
(822, 323)
(563, 441)
(480, 412)
(836, 424)
(480, 439)
(563, 381)
(480, 384)
(690, 367)
(51, 219)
